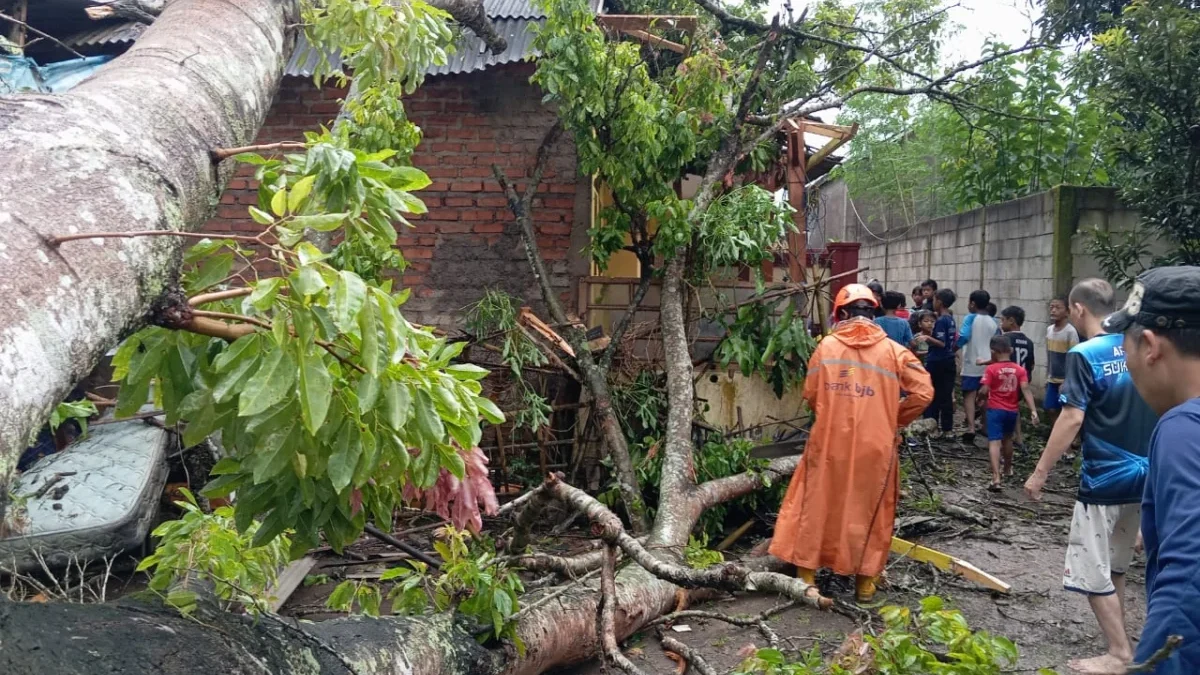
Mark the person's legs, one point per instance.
(946, 375)
(969, 409)
(1096, 533)
(994, 452)
(1006, 451)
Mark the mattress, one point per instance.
(96, 498)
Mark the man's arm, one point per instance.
(1174, 599)
(964, 336)
(1027, 392)
(1070, 421)
(915, 380)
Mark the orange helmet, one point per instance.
(852, 293)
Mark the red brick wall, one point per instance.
(468, 242)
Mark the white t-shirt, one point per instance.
(981, 328)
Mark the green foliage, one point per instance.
(472, 582)
(937, 641)
(699, 556)
(80, 411)
(1027, 125)
(335, 404)
(774, 347)
(742, 227)
(208, 546)
(496, 313)
(641, 404)
(1142, 69)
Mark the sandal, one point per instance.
(994, 487)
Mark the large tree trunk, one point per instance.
(127, 149)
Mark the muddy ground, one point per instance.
(1024, 546)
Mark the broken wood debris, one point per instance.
(948, 563)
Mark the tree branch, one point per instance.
(728, 577)
(692, 657)
(142, 11)
(60, 239)
(723, 489)
(593, 376)
(48, 36)
(606, 623)
(217, 296)
(1164, 652)
(471, 14)
(219, 154)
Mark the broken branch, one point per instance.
(729, 577)
(217, 296)
(48, 36)
(60, 239)
(606, 623)
(1163, 653)
(142, 11)
(690, 655)
(219, 154)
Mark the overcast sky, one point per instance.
(1005, 20)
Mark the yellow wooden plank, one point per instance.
(948, 563)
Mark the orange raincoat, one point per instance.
(841, 504)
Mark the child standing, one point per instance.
(940, 361)
(1061, 336)
(1001, 381)
(977, 331)
(896, 327)
(925, 321)
(918, 298)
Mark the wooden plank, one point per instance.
(686, 23)
(830, 147)
(654, 40)
(948, 563)
(289, 580)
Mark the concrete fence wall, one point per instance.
(1023, 252)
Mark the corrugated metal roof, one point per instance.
(471, 54)
(512, 9)
(113, 33)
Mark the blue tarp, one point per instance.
(20, 73)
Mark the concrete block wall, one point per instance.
(468, 241)
(1023, 252)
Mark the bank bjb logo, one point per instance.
(845, 386)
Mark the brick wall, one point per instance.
(468, 242)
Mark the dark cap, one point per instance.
(1162, 298)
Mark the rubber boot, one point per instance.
(806, 575)
(864, 589)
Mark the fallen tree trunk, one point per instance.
(127, 149)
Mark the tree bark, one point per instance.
(127, 149)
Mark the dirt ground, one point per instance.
(1024, 546)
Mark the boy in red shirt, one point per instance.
(1001, 383)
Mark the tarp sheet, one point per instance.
(20, 73)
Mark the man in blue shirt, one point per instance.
(1100, 399)
(1161, 326)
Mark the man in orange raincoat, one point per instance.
(841, 504)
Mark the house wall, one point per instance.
(468, 242)
(1023, 252)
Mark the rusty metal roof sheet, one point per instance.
(110, 33)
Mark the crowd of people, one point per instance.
(1124, 384)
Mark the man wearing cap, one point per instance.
(1100, 399)
(841, 503)
(1161, 326)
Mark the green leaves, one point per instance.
(270, 384)
(398, 404)
(315, 388)
(349, 293)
